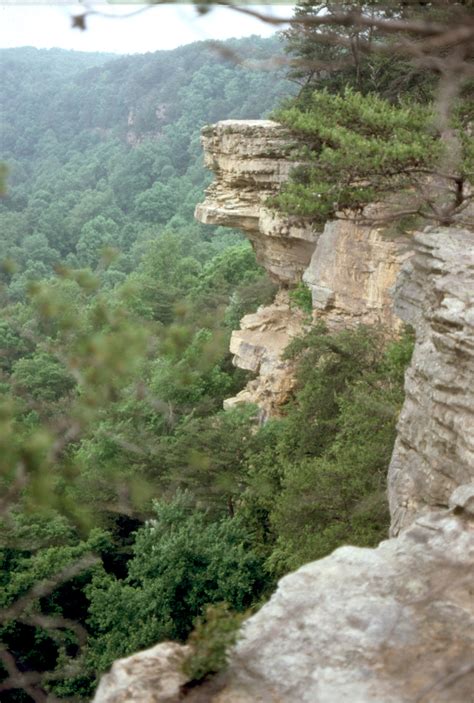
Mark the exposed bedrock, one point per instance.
(352, 273)
(434, 450)
(249, 160)
(388, 625)
(350, 269)
(258, 346)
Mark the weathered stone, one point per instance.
(249, 160)
(434, 450)
(352, 273)
(388, 625)
(151, 676)
(258, 346)
(391, 625)
(463, 499)
(350, 269)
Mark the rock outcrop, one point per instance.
(350, 268)
(388, 625)
(249, 160)
(258, 346)
(434, 450)
(151, 676)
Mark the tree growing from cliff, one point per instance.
(354, 150)
(330, 56)
(358, 150)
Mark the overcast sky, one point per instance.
(163, 27)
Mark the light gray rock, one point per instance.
(388, 625)
(434, 450)
(463, 499)
(151, 676)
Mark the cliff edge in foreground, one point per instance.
(393, 624)
(388, 625)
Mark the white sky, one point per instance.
(160, 27)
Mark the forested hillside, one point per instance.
(105, 152)
(130, 500)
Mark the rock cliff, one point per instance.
(350, 269)
(352, 274)
(258, 346)
(434, 450)
(248, 158)
(393, 624)
(388, 625)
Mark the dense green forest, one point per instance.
(106, 153)
(130, 500)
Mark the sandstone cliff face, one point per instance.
(352, 273)
(258, 346)
(388, 625)
(434, 451)
(248, 158)
(350, 269)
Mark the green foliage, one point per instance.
(210, 641)
(300, 296)
(3, 179)
(336, 444)
(208, 456)
(357, 150)
(42, 596)
(181, 562)
(42, 376)
(81, 178)
(313, 49)
(114, 365)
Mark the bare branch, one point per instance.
(18, 679)
(351, 18)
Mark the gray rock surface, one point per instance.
(434, 450)
(151, 676)
(393, 625)
(388, 625)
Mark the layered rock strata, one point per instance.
(352, 273)
(249, 161)
(258, 346)
(349, 268)
(434, 450)
(392, 624)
